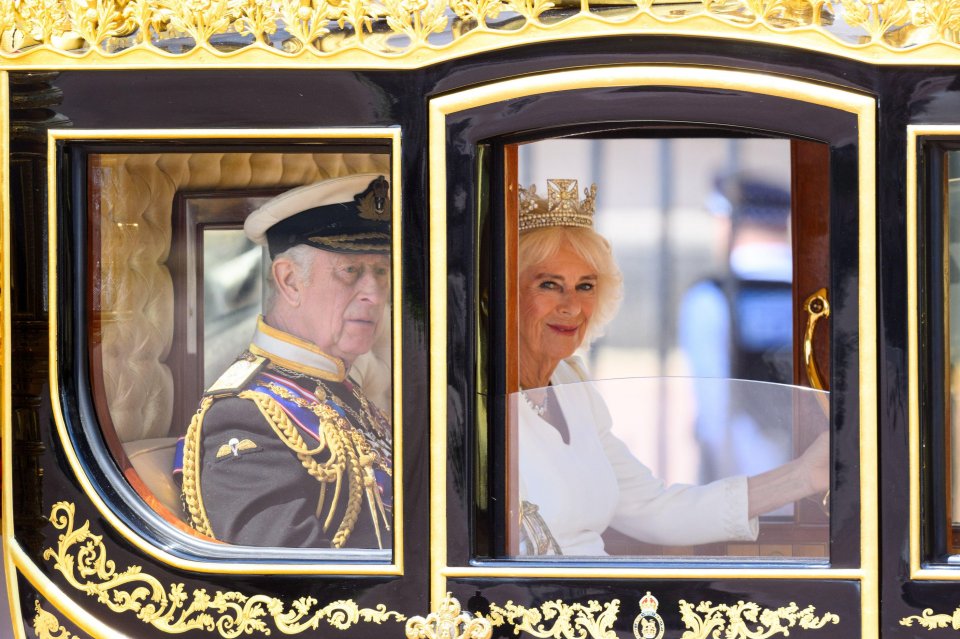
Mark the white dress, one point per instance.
(592, 483)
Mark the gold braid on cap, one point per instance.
(562, 208)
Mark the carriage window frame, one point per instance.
(934, 533)
(461, 119)
(73, 409)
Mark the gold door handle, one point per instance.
(816, 306)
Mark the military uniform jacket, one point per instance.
(286, 451)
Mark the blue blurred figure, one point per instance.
(740, 326)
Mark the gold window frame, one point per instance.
(915, 132)
(294, 566)
(861, 106)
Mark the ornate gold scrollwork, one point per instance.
(81, 558)
(47, 626)
(449, 622)
(377, 30)
(747, 620)
(931, 621)
(558, 620)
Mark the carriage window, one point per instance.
(662, 404)
(952, 310)
(241, 340)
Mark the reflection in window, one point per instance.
(703, 235)
(178, 287)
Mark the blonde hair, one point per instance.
(537, 245)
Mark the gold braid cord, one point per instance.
(81, 558)
(344, 458)
(747, 620)
(192, 498)
(558, 620)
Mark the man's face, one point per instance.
(343, 303)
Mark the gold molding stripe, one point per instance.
(392, 135)
(81, 558)
(47, 626)
(747, 620)
(6, 413)
(917, 570)
(49, 34)
(863, 107)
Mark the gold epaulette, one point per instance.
(237, 376)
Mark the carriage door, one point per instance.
(742, 234)
(143, 316)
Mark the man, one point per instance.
(741, 328)
(285, 449)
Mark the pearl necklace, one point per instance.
(539, 409)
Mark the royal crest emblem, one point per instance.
(374, 202)
(648, 624)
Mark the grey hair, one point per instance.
(302, 256)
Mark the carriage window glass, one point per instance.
(240, 345)
(660, 375)
(953, 342)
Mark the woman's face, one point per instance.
(557, 298)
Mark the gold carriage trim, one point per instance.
(81, 557)
(415, 33)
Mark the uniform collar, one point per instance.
(294, 353)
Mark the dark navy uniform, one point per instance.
(285, 450)
(288, 453)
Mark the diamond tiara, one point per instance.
(563, 206)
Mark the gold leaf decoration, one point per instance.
(307, 20)
(43, 19)
(877, 17)
(476, 11)
(47, 626)
(931, 621)
(747, 620)
(81, 558)
(255, 17)
(201, 19)
(559, 620)
(942, 15)
(416, 19)
(449, 622)
(401, 33)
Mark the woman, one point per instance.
(576, 478)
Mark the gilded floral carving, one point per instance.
(933, 621)
(559, 620)
(99, 31)
(47, 626)
(81, 557)
(747, 620)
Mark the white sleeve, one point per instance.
(680, 514)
